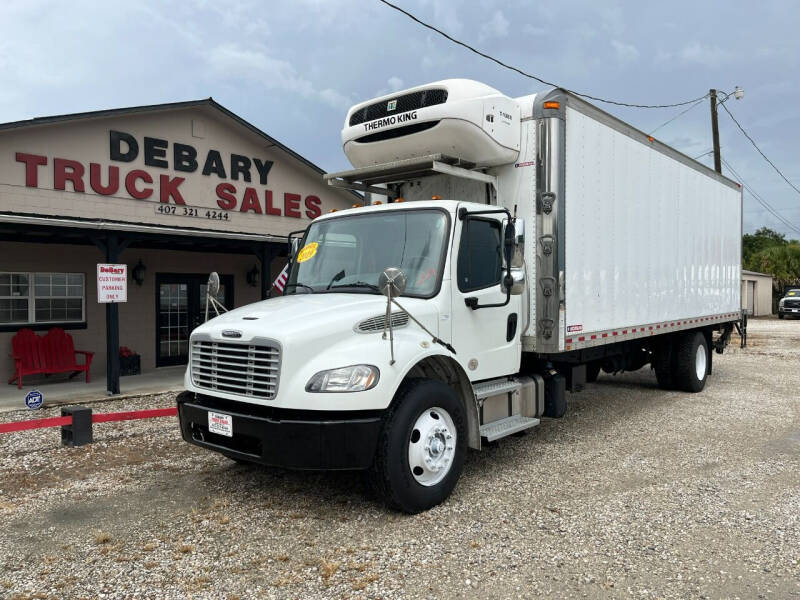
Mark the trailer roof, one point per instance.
(567, 98)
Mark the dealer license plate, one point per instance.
(220, 424)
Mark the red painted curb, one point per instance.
(96, 418)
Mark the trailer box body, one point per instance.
(632, 237)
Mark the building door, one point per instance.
(180, 307)
(751, 297)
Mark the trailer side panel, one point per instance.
(649, 239)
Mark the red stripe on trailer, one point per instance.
(613, 333)
(568, 341)
(581, 339)
(624, 331)
(594, 337)
(34, 424)
(605, 335)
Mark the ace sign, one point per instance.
(112, 283)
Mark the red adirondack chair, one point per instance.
(54, 353)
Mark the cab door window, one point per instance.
(480, 259)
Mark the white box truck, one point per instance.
(508, 250)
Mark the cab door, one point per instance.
(486, 340)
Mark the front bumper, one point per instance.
(281, 438)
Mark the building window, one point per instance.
(14, 297)
(36, 298)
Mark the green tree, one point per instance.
(763, 238)
(782, 262)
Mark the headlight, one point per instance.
(355, 378)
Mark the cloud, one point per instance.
(496, 27)
(395, 83)
(232, 62)
(625, 52)
(709, 56)
(530, 29)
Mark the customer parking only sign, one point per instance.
(112, 283)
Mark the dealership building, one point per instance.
(172, 191)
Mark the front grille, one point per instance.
(244, 369)
(791, 303)
(406, 102)
(399, 319)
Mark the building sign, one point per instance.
(112, 283)
(147, 184)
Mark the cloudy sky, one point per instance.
(292, 68)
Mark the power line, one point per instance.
(529, 75)
(680, 114)
(772, 164)
(759, 199)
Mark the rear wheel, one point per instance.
(662, 365)
(691, 362)
(780, 315)
(422, 446)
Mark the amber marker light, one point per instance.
(555, 105)
(436, 197)
(356, 205)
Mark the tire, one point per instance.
(780, 315)
(691, 362)
(662, 365)
(592, 372)
(424, 413)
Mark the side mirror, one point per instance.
(509, 242)
(392, 282)
(293, 243)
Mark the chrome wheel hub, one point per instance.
(432, 446)
(700, 362)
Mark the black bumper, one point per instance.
(290, 439)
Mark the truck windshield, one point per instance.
(348, 254)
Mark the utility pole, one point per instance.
(712, 95)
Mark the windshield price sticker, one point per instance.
(190, 211)
(307, 252)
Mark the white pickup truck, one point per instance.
(508, 250)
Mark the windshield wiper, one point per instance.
(302, 285)
(357, 284)
(339, 276)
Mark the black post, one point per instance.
(712, 95)
(112, 324)
(266, 252)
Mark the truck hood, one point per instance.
(320, 315)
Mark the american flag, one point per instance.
(280, 282)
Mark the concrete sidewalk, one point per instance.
(59, 390)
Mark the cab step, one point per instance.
(507, 426)
(495, 387)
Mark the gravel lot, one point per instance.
(635, 493)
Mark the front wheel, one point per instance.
(422, 446)
(780, 315)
